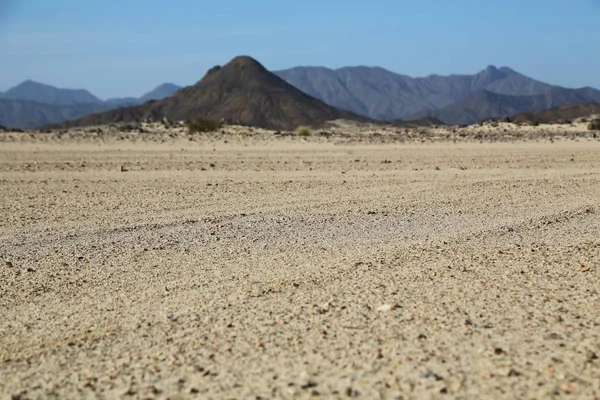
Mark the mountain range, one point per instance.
(455, 99)
(371, 92)
(384, 95)
(32, 104)
(243, 91)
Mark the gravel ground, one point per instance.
(294, 269)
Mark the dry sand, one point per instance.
(247, 266)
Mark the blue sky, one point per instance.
(127, 47)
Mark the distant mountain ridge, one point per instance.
(381, 94)
(26, 114)
(160, 92)
(242, 91)
(41, 93)
(484, 104)
(32, 104)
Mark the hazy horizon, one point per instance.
(121, 50)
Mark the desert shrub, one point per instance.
(594, 125)
(302, 131)
(129, 127)
(200, 125)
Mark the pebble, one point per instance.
(431, 374)
(591, 356)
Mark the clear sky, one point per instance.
(127, 47)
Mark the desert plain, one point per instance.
(452, 263)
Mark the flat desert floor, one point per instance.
(299, 269)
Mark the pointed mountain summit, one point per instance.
(242, 91)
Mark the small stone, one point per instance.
(309, 385)
(9, 264)
(513, 372)
(510, 229)
(585, 268)
(552, 336)
(499, 351)
(385, 307)
(155, 390)
(567, 387)
(30, 269)
(124, 168)
(431, 374)
(591, 356)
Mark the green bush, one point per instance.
(302, 131)
(200, 125)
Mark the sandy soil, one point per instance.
(247, 267)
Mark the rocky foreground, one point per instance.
(400, 263)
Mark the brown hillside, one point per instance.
(242, 91)
(566, 112)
